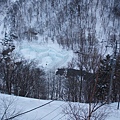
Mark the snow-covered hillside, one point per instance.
(55, 33)
(72, 24)
(52, 111)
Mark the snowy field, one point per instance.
(51, 111)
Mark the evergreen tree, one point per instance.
(103, 78)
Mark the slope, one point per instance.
(52, 111)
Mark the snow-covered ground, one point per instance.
(52, 111)
(48, 55)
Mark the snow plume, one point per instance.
(48, 55)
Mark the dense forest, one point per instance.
(88, 27)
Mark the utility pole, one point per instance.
(113, 64)
(118, 106)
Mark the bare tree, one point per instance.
(8, 107)
(77, 111)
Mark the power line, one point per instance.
(51, 112)
(61, 117)
(29, 110)
(55, 116)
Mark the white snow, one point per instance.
(21, 105)
(52, 111)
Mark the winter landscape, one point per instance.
(59, 59)
(51, 111)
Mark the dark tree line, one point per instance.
(83, 86)
(17, 76)
(24, 78)
(104, 76)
